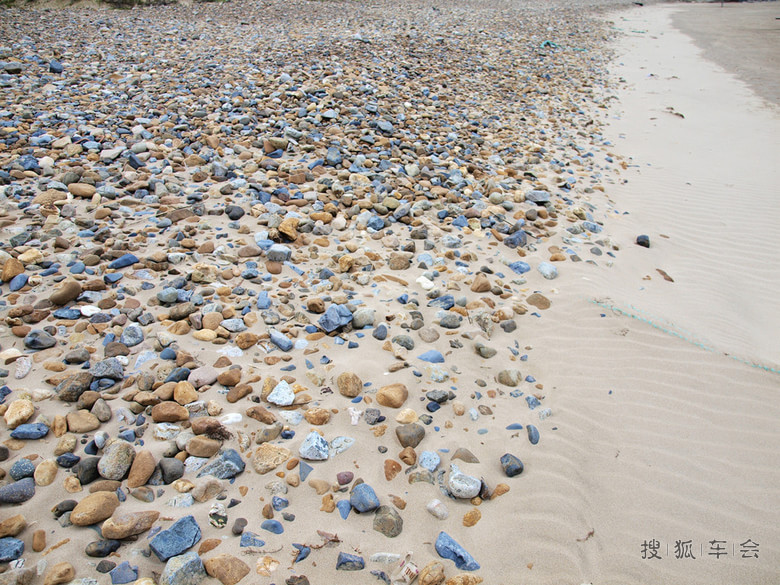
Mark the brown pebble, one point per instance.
(39, 540)
(208, 545)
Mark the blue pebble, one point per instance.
(432, 406)
(178, 375)
(123, 573)
(432, 356)
(532, 401)
(272, 526)
(78, 268)
(251, 539)
(449, 549)
(183, 534)
(363, 498)
(287, 434)
(18, 282)
(123, 262)
(380, 332)
(303, 552)
(10, 549)
(533, 434)
(444, 302)
(67, 460)
(168, 354)
(347, 562)
(21, 469)
(30, 431)
(112, 277)
(304, 469)
(279, 503)
(280, 340)
(514, 427)
(520, 267)
(69, 314)
(336, 316)
(344, 508)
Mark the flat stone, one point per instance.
(183, 534)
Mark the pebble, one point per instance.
(183, 534)
(410, 435)
(388, 521)
(511, 465)
(314, 447)
(348, 562)
(462, 485)
(226, 568)
(448, 548)
(363, 498)
(186, 569)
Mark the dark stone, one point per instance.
(511, 464)
(38, 339)
(86, 470)
(102, 548)
(171, 469)
(30, 431)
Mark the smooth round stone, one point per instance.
(512, 465)
(344, 477)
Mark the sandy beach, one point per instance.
(322, 287)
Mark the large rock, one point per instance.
(226, 568)
(124, 524)
(349, 384)
(94, 508)
(141, 469)
(227, 465)
(19, 412)
(268, 457)
(392, 395)
(183, 534)
(116, 461)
